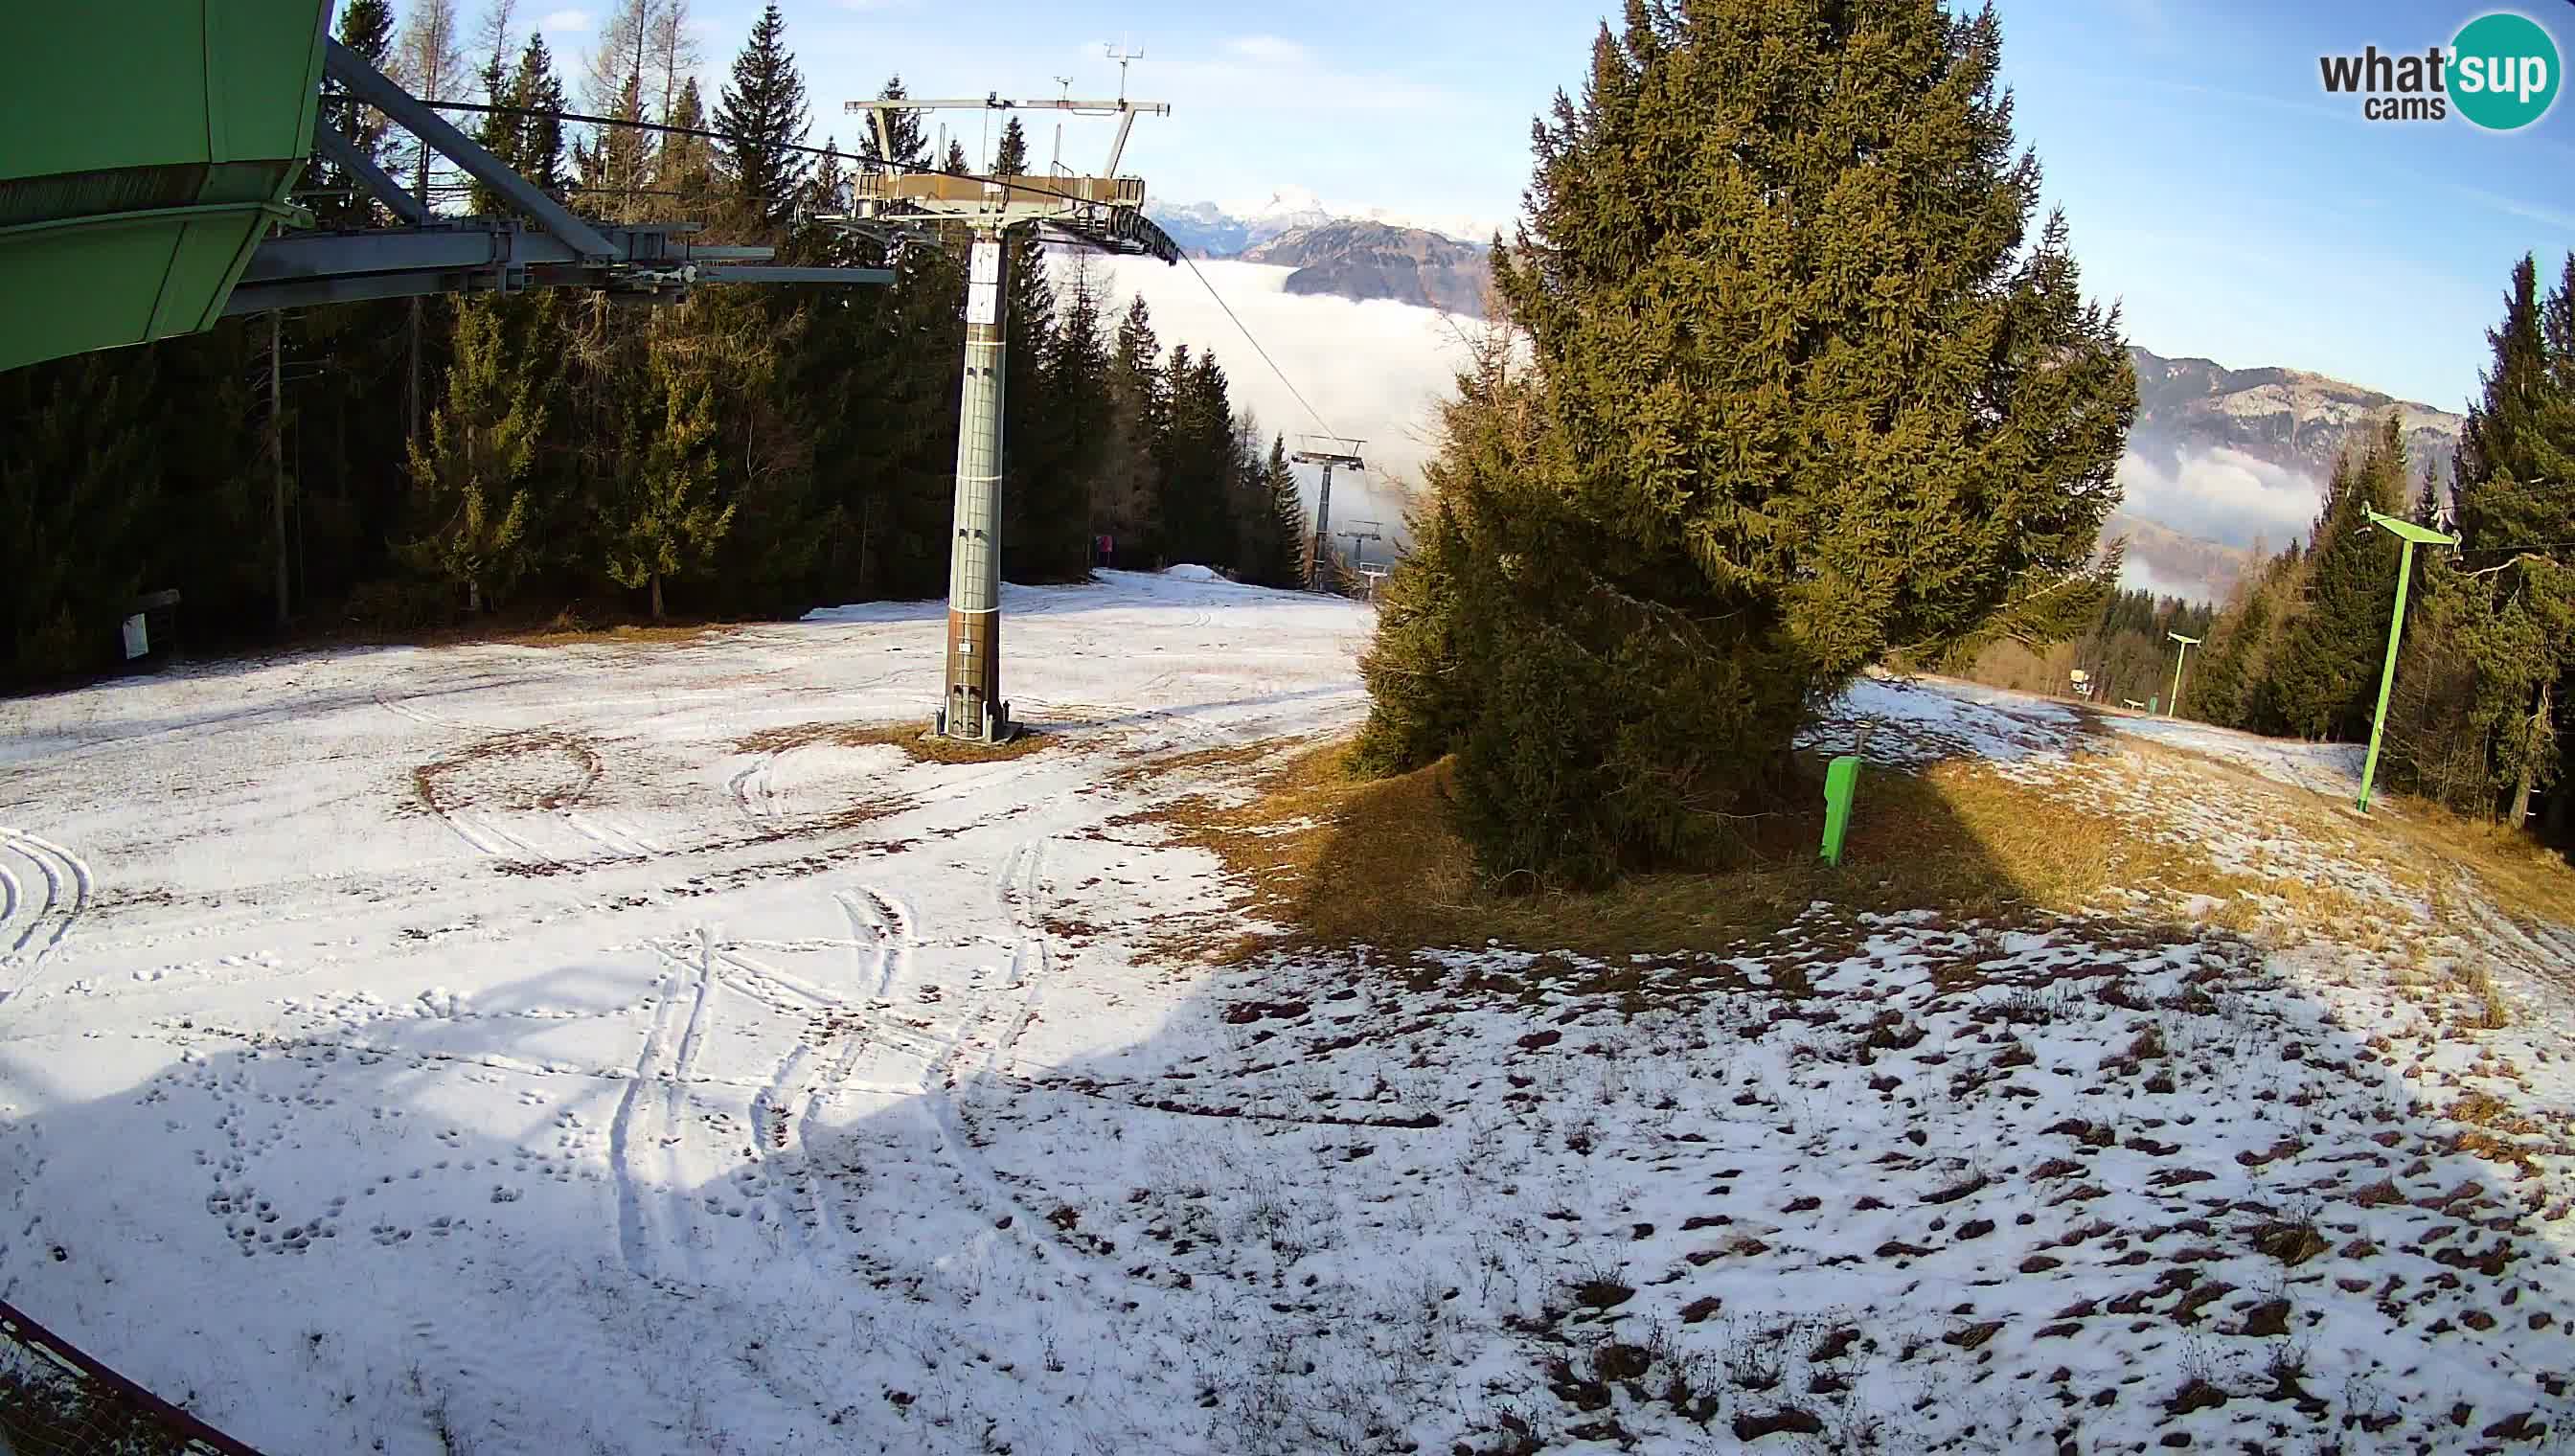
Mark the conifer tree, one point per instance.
(498, 131)
(911, 149)
(540, 142)
(2515, 497)
(366, 27)
(1809, 391)
(1126, 489)
(1011, 155)
(667, 523)
(1080, 420)
(78, 483)
(954, 165)
(1279, 527)
(685, 170)
(762, 114)
(2325, 673)
(470, 507)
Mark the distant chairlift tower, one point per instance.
(1327, 451)
(1104, 212)
(1358, 534)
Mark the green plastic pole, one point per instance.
(2388, 675)
(1842, 784)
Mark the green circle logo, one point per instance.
(2504, 71)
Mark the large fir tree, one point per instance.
(666, 522)
(762, 115)
(1806, 389)
(2515, 498)
(470, 507)
(2325, 676)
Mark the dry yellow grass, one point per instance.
(914, 739)
(1344, 860)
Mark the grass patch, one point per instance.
(45, 1409)
(1342, 860)
(915, 739)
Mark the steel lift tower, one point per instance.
(1104, 212)
(1327, 451)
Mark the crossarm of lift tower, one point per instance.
(1104, 210)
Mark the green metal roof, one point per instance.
(149, 150)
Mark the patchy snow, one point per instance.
(2332, 770)
(1910, 723)
(585, 1049)
(1187, 571)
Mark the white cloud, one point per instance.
(1373, 370)
(565, 22)
(1268, 50)
(2221, 495)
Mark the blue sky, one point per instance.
(2235, 210)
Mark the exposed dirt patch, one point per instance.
(536, 770)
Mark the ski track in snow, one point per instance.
(890, 1134)
(32, 929)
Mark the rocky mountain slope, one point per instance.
(2285, 417)
(2169, 561)
(1363, 260)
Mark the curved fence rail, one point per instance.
(57, 1401)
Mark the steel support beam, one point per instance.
(735, 273)
(371, 86)
(344, 155)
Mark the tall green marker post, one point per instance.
(2410, 534)
(1842, 784)
(2188, 642)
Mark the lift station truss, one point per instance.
(148, 189)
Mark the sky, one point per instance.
(2234, 210)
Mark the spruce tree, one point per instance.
(954, 165)
(666, 522)
(2324, 677)
(1126, 489)
(79, 483)
(1280, 529)
(911, 150)
(2514, 490)
(1010, 156)
(470, 507)
(762, 114)
(685, 170)
(540, 154)
(1809, 389)
(366, 27)
(498, 132)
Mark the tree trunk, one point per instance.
(473, 599)
(2540, 731)
(657, 596)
